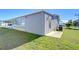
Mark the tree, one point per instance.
(69, 23)
(75, 23)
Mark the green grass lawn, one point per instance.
(68, 41)
(10, 39)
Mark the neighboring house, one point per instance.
(6, 24)
(39, 23)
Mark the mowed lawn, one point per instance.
(68, 41)
(13, 39)
(10, 39)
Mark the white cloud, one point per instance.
(64, 21)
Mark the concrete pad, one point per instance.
(56, 34)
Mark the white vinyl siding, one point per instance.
(39, 23)
(35, 23)
(49, 21)
(20, 23)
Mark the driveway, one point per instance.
(56, 34)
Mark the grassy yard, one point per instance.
(68, 41)
(10, 39)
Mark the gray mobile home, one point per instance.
(39, 23)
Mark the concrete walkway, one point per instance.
(56, 34)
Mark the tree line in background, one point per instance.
(72, 23)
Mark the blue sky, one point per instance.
(65, 14)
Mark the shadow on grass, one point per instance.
(10, 38)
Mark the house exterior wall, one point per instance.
(39, 23)
(19, 24)
(50, 22)
(6, 25)
(35, 23)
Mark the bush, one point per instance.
(68, 25)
